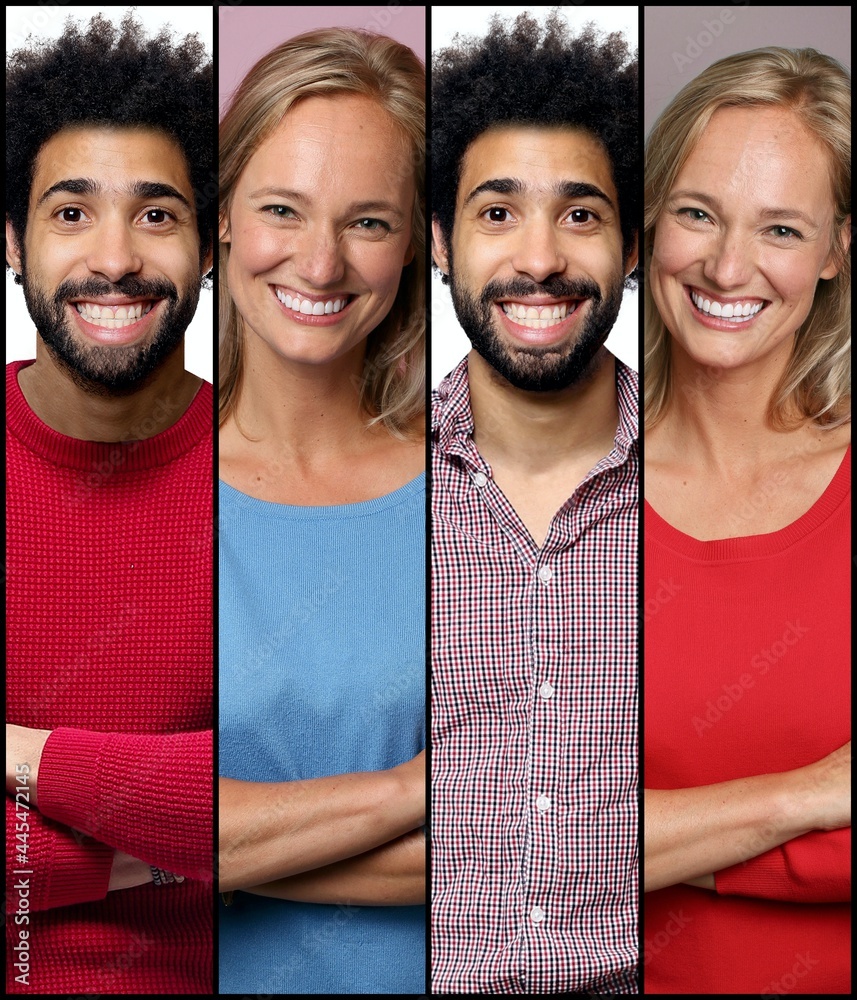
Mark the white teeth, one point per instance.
(735, 311)
(112, 317)
(309, 308)
(538, 317)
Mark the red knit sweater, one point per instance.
(109, 620)
(747, 671)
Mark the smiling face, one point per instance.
(535, 258)
(745, 236)
(110, 258)
(320, 229)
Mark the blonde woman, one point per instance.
(747, 747)
(322, 521)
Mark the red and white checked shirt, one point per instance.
(533, 722)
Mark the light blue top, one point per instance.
(322, 671)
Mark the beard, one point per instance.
(110, 370)
(536, 368)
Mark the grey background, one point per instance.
(680, 42)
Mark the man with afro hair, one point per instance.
(109, 209)
(536, 179)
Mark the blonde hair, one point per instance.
(325, 63)
(816, 383)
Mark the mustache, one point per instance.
(129, 284)
(556, 287)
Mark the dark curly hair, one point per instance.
(529, 73)
(105, 75)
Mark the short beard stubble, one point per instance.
(537, 369)
(106, 370)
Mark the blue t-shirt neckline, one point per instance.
(362, 508)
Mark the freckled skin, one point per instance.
(314, 242)
(749, 161)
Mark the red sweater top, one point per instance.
(747, 672)
(109, 621)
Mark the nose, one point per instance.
(320, 259)
(729, 261)
(114, 249)
(539, 251)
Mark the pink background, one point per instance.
(247, 33)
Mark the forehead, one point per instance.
(112, 156)
(760, 154)
(340, 141)
(540, 157)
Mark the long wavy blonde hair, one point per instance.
(817, 381)
(324, 63)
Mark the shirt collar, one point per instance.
(452, 418)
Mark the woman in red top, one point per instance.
(747, 747)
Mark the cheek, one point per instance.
(793, 277)
(380, 267)
(674, 250)
(256, 250)
(479, 258)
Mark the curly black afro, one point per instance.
(106, 75)
(536, 74)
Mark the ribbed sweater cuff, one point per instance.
(68, 778)
(79, 871)
(765, 877)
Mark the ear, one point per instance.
(438, 246)
(634, 256)
(410, 253)
(833, 266)
(208, 261)
(13, 253)
(223, 230)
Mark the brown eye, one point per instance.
(497, 214)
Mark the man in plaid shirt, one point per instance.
(535, 183)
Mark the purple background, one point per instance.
(247, 33)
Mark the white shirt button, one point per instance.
(537, 914)
(546, 690)
(480, 479)
(545, 573)
(543, 803)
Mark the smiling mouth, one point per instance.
(110, 317)
(540, 317)
(312, 307)
(735, 311)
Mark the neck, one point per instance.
(541, 429)
(722, 414)
(70, 409)
(304, 409)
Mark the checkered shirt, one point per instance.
(534, 859)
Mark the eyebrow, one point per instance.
(136, 189)
(771, 214)
(562, 189)
(302, 199)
